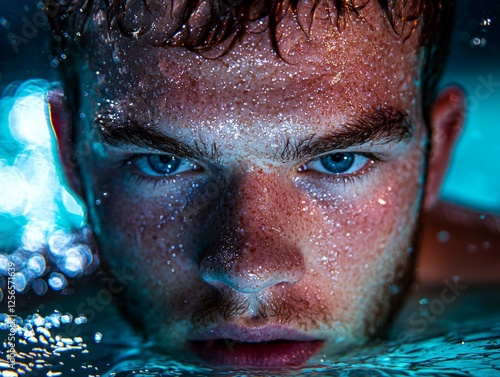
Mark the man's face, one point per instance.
(257, 198)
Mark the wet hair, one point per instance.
(206, 26)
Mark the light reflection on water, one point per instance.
(42, 225)
(462, 339)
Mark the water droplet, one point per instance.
(486, 22)
(80, 320)
(39, 286)
(19, 281)
(443, 236)
(98, 337)
(66, 318)
(73, 262)
(4, 23)
(9, 373)
(57, 281)
(478, 42)
(35, 266)
(394, 289)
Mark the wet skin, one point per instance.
(259, 230)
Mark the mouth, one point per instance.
(254, 347)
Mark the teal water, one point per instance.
(429, 338)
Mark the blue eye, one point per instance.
(338, 163)
(161, 165)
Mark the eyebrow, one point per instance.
(383, 126)
(133, 134)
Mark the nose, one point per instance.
(251, 247)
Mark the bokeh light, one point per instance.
(42, 227)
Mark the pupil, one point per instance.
(338, 162)
(163, 164)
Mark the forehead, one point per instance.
(317, 76)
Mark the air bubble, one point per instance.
(33, 238)
(57, 281)
(19, 282)
(478, 42)
(38, 320)
(66, 318)
(58, 242)
(35, 267)
(54, 319)
(4, 264)
(98, 337)
(80, 320)
(39, 286)
(75, 260)
(73, 265)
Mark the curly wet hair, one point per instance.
(206, 25)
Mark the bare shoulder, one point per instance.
(462, 242)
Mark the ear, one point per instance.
(61, 125)
(447, 118)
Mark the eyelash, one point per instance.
(348, 178)
(142, 178)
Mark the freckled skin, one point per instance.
(256, 241)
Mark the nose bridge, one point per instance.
(258, 201)
(251, 248)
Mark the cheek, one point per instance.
(155, 237)
(360, 236)
(149, 229)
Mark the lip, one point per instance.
(269, 346)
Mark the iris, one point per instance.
(338, 163)
(163, 164)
